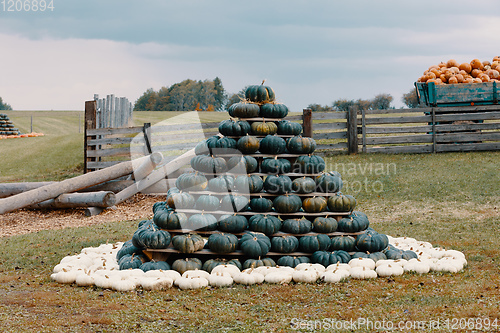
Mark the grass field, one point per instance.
(451, 200)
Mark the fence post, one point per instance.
(307, 123)
(352, 130)
(363, 129)
(90, 123)
(433, 130)
(146, 130)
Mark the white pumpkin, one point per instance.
(84, 280)
(248, 277)
(65, 276)
(334, 267)
(389, 270)
(278, 277)
(320, 268)
(285, 269)
(362, 272)
(191, 283)
(123, 284)
(417, 266)
(156, 283)
(231, 269)
(362, 262)
(264, 270)
(221, 278)
(196, 273)
(306, 275)
(331, 276)
(103, 281)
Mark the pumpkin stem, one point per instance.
(263, 82)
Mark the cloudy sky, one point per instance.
(309, 51)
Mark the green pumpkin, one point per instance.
(215, 145)
(324, 225)
(275, 165)
(355, 222)
(344, 243)
(325, 258)
(191, 181)
(313, 243)
(207, 202)
(202, 222)
(170, 220)
(309, 164)
(158, 206)
(210, 264)
(292, 261)
(278, 184)
(127, 248)
(254, 263)
(286, 127)
(234, 203)
(261, 205)
(372, 242)
(273, 110)
(343, 255)
(376, 256)
(254, 244)
(314, 204)
(263, 128)
(360, 254)
(303, 185)
(155, 265)
(395, 254)
(181, 200)
(209, 164)
(248, 184)
(244, 110)
(328, 183)
(300, 145)
(186, 264)
(296, 226)
(248, 144)
(284, 244)
(131, 261)
(230, 127)
(259, 93)
(341, 203)
(263, 223)
(272, 144)
(160, 217)
(233, 223)
(242, 164)
(188, 243)
(222, 242)
(288, 203)
(151, 238)
(221, 184)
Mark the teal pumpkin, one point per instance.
(343, 255)
(292, 261)
(284, 244)
(254, 263)
(188, 243)
(233, 223)
(207, 202)
(242, 164)
(309, 164)
(151, 237)
(234, 203)
(324, 224)
(209, 164)
(158, 206)
(313, 243)
(244, 110)
(210, 264)
(273, 110)
(341, 203)
(221, 184)
(170, 220)
(127, 248)
(395, 254)
(303, 185)
(296, 226)
(131, 261)
(181, 200)
(376, 256)
(248, 144)
(360, 254)
(186, 264)
(272, 144)
(263, 223)
(286, 127)
(344, 243)
(222, 242)
(316, 204)
(275, 165)
(328, 183)
(155, 265)
(215, 145)
(261, 205)
(263, 128)
(278, 184)
(254, 244)
(230, 127)
(202, 222)
(248, 184)
(355, 222)
(371, 242)
(259, 93)
(301, 145)
(288, 203)
(192, 181)
(325, 258)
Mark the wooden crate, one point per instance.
(431, 94)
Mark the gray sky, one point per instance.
(314, 51)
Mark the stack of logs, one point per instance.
(94, 191)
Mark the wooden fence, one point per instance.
(113, 112)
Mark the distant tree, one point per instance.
(147, 101)
(319, 108)
(342, 104)
(236, 98)
(382, 102)
(220, 95)
(4, 106)
(363, 104)
(410, 99)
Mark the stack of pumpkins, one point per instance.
(6, 126)
(257, 196)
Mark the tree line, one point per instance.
(4, 106)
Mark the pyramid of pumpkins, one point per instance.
(257, 196)
(453, 72)
(6, 126)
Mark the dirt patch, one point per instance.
(26, 221)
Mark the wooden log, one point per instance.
(307, 127)
(352, 130)
(102, 199)
(143, 170)
(66, 186)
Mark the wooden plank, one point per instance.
(109, 152)
(468, 147)
(395, 130)
(397, 120)
(329, 126)
(423, 138)
(467, 127)
(115, 131)
(333, 146)
(395, 111)
(469, 116)
(111, 141)
(401, 149)
(467, 137)
(329, 115)
(329, 136)
(294, 118)
(183, 127)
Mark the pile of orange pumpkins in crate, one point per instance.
(453, 72)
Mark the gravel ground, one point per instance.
(26, 221)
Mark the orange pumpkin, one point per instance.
(475, 72)
(477, 64)
(453, 80)
(465, 67)
(460, 78)
(452, 63)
